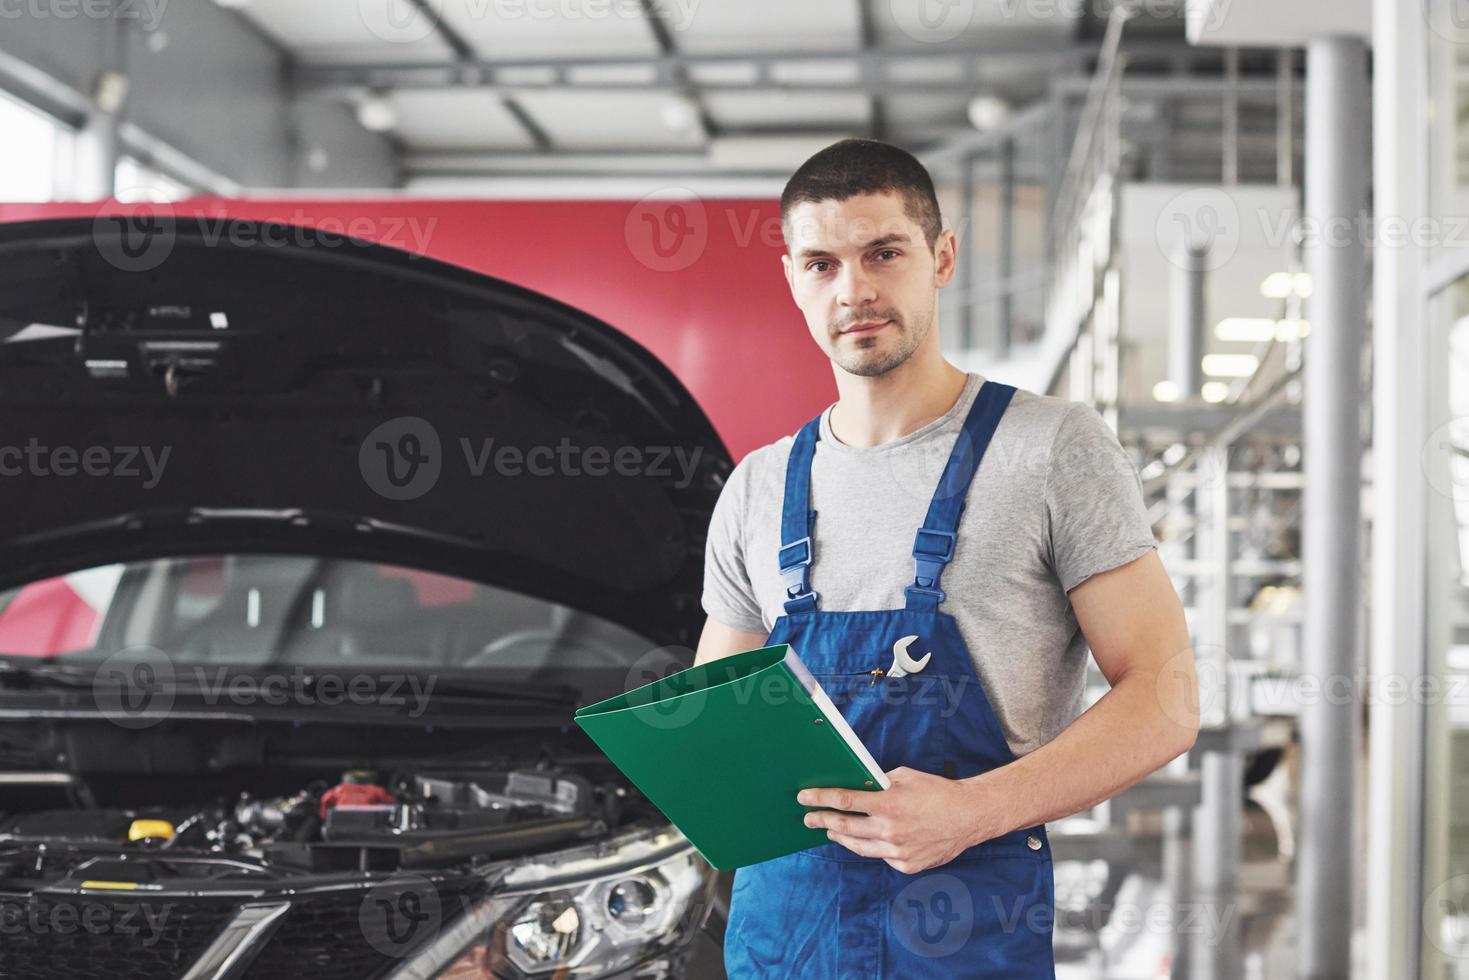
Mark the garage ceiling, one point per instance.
(455, 81)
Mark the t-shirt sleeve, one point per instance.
(1095, 514)
(729, 596)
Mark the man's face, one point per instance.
(865, 279)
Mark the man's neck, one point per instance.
(873, 411)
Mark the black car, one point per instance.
(309, 549)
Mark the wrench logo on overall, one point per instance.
(903, 663)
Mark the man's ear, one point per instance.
(945, 258)
(790, 270)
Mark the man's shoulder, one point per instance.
(765, 460)
(1039, 415)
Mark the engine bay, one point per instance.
(363, 821)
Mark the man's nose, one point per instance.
(854, 288)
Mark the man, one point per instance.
(941, 550)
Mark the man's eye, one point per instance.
(887, 252)
(818, 266)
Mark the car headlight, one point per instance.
(583, 918)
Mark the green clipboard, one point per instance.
(722, 749)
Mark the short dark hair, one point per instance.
(862, 166)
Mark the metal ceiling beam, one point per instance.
(664, 36)
(1254, 89)
(540, 139)
(867, 41)
(464, 55)
(576, 163)
(673, 71)
(967, 69)
(463, 50)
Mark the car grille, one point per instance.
(324, 936)
(88, 936)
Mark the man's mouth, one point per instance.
(869, 326)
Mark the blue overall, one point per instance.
(828, 912)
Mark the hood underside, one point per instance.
(168, 391)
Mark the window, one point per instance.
(36, 164)
(135, 181)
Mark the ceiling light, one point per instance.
(1277, 285)
(988, 112)
(111, 91)
(1246, 329)
(1292, 329)
(1282, 285)
(1165, 391)
(377, 114)
(1214, 392)
(679, 113)
(1230, 365)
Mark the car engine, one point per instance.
(363, 822)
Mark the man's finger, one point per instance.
(849, 825)
(865, 846)
(861, 801)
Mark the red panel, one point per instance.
(431, 589)
(698, 283)
(45, 618)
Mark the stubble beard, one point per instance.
(869, 358)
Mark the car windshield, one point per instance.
(277, 611)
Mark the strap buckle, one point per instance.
(932, 550)
(930, 562)
(795, 568)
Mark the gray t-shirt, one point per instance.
(1055, 500)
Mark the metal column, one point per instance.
(1285, 118)
(1229, 165)
(1397, 803)
(1186, 326)
(1218, 820)
(1336, 201)
(1186, 319)
(98, 144)
(1005, 275)
(964, 271)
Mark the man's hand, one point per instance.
(1134, 624)
(919, 822)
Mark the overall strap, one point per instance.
(933, 545)
(797, 521)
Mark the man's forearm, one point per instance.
(1129, 733)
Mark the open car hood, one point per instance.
(166, 389)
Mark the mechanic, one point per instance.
(932, 524)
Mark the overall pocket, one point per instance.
(899, 719)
